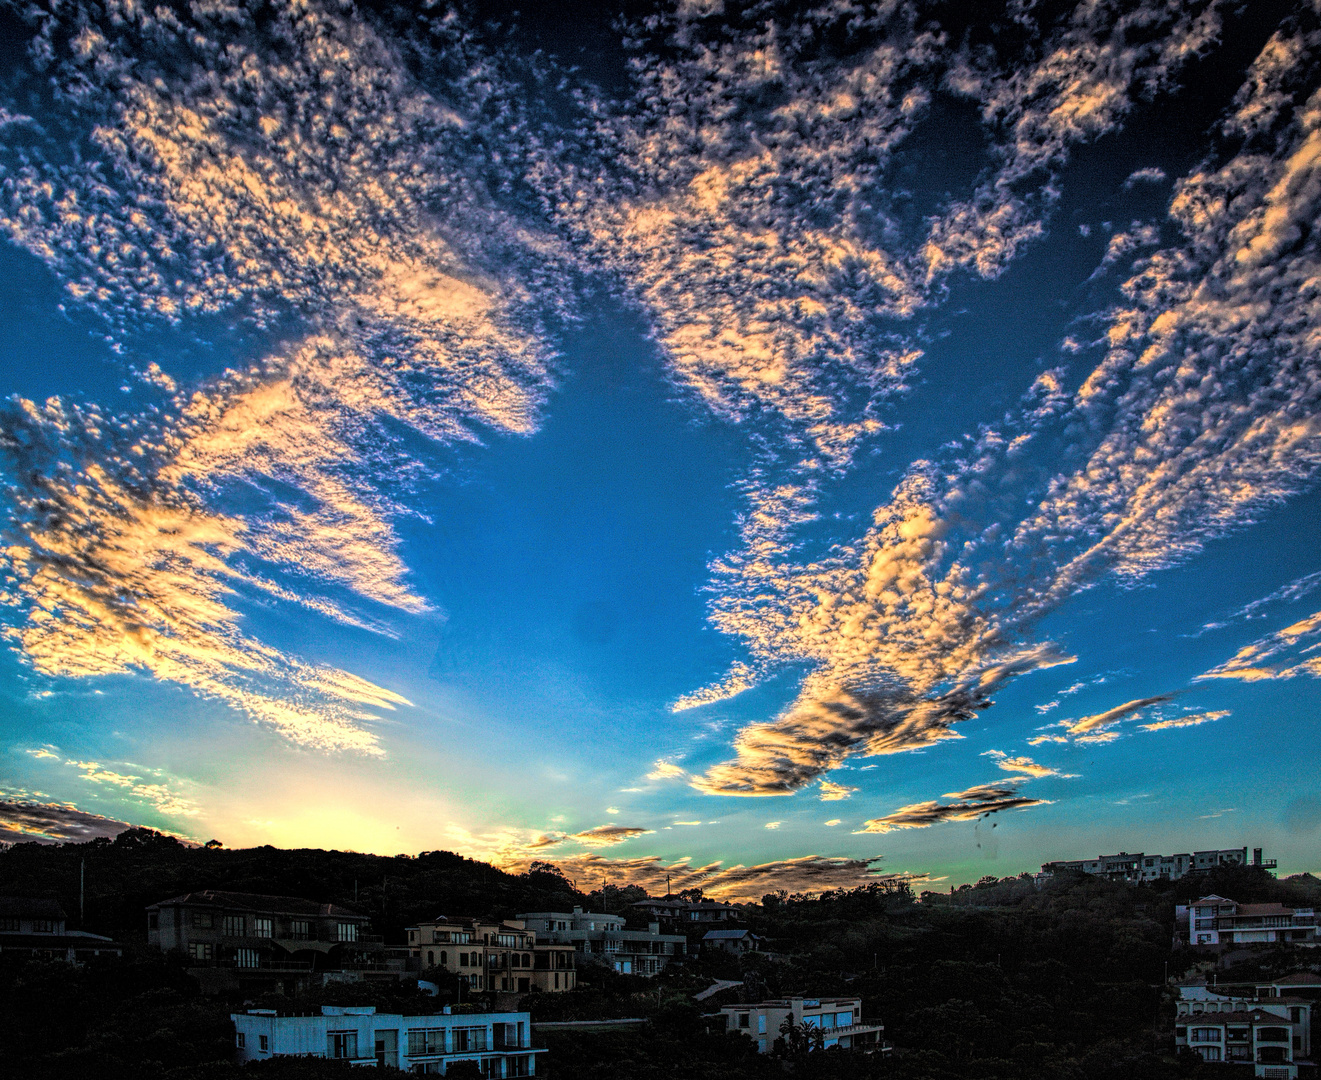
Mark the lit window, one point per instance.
(202, 919)
(247, 958)
(202, 950)
(263, 927)
(348, 931)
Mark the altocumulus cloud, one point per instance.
(977, 802)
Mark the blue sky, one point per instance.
(768, 451)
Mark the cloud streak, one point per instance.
(970, 805)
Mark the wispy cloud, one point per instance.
(970, 805)
(1282, 655)
(22, 820)
(1191, 720)
(832, 792)
(1025, 766)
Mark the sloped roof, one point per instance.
(726, 935)
(241, 901)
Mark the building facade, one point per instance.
(232, 938)
(605, 939)
(690, 913)
(505, 957)
(1139, 868)
(732, 941)
(38, 930)
(839, 1020)
(1216, 922)
(499, 1043)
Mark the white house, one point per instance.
(839, 1020)
(1213, 921)
(1249, 1024)
(605, 939)
(500, 1043)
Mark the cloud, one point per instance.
(608, 835)
(831, 792)
(205, 193)
(665, 770)
(806, 874)
(1026, 766)
(158, 795)
(58, 822)
(976, 802)
(1089, 726)
(833, 822)
(1149, 175)
(1282, 655)
(774, 824)
(1192, 720)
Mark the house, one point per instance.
(1254, 1023)
(38, 930)
(839, 1020)
(490, 955)
(1139, 868)
(697, 913)
(232, 939)
(733, 941)
(499, 1043)
(1215, 922)
(603, 938)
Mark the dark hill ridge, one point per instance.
(141, 867)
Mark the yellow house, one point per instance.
(489, 955)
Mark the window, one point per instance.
(263, 1043)
(743, 1019)
(43, 926)
(300, 929)
(1272, 1034)
(761, 1023)
(348, 931)
(342, 1044)
(247, 958)
(240, 1040)
(203, 920)
(444, 958)
(463, 959)
(424, 1042)
(1204, 1035)
(233, 926)
(10, 924)
(1210, 1053)
(153, 920)
(263, 927)
(469, 1040)
(202, 950)
(431, 958)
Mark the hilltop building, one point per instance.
(1138, 868)
(1261, 1024)
(1214, 922)
(838, 1019)
(603, 938)
(38, 930)
(674, 912)
(489, 955)
(233, 939)
(499, 1043)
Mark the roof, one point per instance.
(1257, 1016)
(1264, 909)
(26, 907)
(726, 935)
(241, 901)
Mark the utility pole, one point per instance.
(82, 894)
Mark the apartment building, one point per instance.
(839, 1020)
(233, 938)
(1140, 867)
(699, 913)
(1216, 922)
(499, 1043)
(38, 930)
(604, 939)
(487, 955)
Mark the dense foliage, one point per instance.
(1003, 980)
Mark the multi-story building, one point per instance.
(699, 913)
(1140, 867)
(839, 1021)
(489, 955)
(499, 1043)
(604, 939)
(1240, 1025)
(232, 937)
(1215, 922)
(38, 930)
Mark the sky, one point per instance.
(760, 447)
